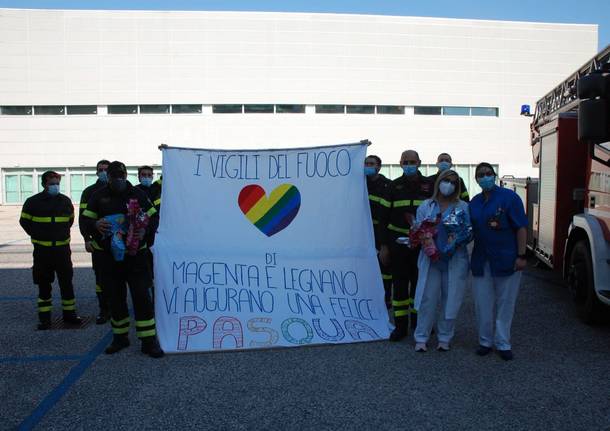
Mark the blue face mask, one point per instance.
(409, 170)
(370, 171)
(102, 176)
(487, 183)
(146, 182)
(443, 166)
(53, 189)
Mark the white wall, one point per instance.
(134, 57)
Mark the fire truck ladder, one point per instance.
(563, 98)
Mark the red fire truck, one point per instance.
(569, 204)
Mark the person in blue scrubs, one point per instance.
(499, 226)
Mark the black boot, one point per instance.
(119, 342)
(71, 318)
(401, 330)
(44, 321)
(150, 346)
(103, 316)
(102, 301)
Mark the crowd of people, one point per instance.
(422, 227)
(47, 218)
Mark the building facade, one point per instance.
(78, 86)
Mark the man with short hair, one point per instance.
(405, 195)
(377, 186)
(47, 218)
(103, 299)
(132, 270)
(443, 162)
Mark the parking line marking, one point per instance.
(60, 390)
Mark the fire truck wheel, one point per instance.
(580, 282)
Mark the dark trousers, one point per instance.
(49, 261)
(386, 275)
(404, 280)
(103, 297)
(134, 272)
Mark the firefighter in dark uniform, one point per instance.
(153, 192)
(47, 217)
(377, 186)
(103, 299)
(133, 271)
(443, 162)
(406, 193)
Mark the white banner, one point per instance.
(257, 249)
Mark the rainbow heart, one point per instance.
(270, 214)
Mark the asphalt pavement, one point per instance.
(61, 379)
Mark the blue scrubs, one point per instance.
(495, 282)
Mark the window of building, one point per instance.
(227, 109)
(16, 110)
(49, 110)
(290, 109)
(122, 109)
(154, 109)
(456, 110)
(186, 109)
(360, 109)
(484, 112)
(82, 110)
(11, 189)
(390, 110)
(258, 109)
(77, 185)
(427, 110)
(330, 109)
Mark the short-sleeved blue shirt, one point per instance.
(495, 223)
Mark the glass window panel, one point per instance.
(186, 109)
(258, 109)
(484, 112)
(49, 110)
(11, 189)
(427, 110)
(290, 109)
(330, 109)
(122, 109)
(227, 109)
(390, 110)
(456, 110)
(154, 109)
(16, 110)
(90, 179)
(76, 186)
(26, 187)
(360, 109)
(385, 171)
(82, 110)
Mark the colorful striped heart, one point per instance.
(270, 214)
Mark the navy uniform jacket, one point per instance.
(47, 219)
(405, 195)
(104, 203)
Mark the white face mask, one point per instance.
(446, 188)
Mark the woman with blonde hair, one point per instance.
(443, 262)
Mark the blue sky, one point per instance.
(566, 11)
